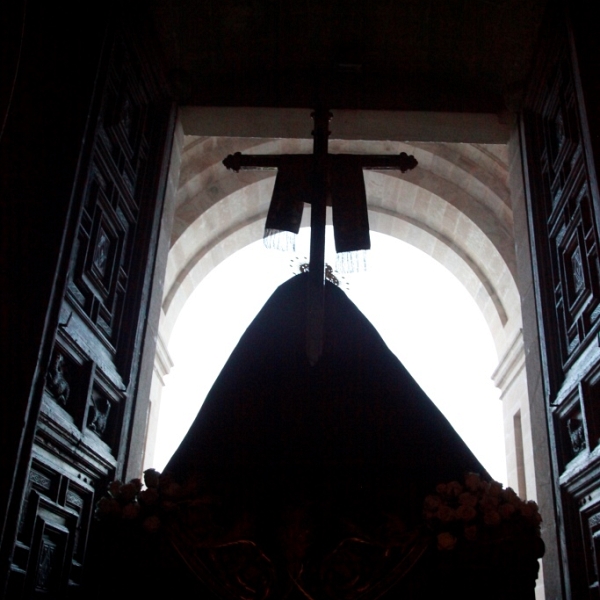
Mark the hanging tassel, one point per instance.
(277, 239)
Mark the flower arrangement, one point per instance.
(143, 505)
(479, 512)
(472, 532)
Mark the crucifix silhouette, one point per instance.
(320, 179)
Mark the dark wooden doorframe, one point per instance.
(54, 481)
(85, 397)
(563, 204)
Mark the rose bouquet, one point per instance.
(141, 503)
(478, 514)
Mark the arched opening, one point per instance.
(421, 310)
(455, 207)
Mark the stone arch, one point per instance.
(455, 206)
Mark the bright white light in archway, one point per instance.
(421, 310)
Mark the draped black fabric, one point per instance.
(349, 203)
(309, 482)
(293, 187)
(356, 423)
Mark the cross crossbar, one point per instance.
(319, 171)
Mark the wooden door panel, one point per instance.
(84, 423)
(562, 196)
(51, 543)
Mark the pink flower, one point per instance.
(454, 489)
(168, 506)
(108, 507)
(471, 533)
(526, 510)
(137, 484)
(128, 492)
(473, 481)
(151, 524)
(530, 512)
(495, 489)
(492, 517)
(537, 517)
(489, 502)
(467, 499)
(148, 497)
(446, 541)
(171, 490)
(510, 495)
(432, 502)
(131, 511)
(506, 511)
(114, 487)
(164, 479)
(151, 477)
(446, 514)
(465, 513)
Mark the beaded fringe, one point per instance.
(276, 239)
(351, 262)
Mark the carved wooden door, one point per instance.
(563, 204)
(85, 418)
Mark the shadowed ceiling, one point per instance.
(444, 55)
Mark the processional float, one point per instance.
(317, 468)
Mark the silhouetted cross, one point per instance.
(318, 178)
